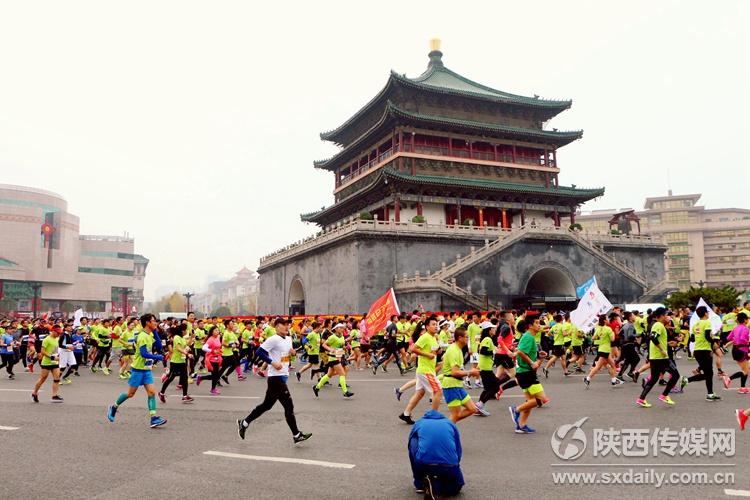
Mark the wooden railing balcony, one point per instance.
(440, 151)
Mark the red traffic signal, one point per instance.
(47, 229)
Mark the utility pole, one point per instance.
(35, 304)
(187, 297)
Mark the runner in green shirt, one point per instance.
(659, 360)
(178, 363)
(426, 348)
(141, 371)
(334, 345)
(604, 334)
(458, 400)
(312, 347)
(704, 343)
(50, 364)
(558, 332)
(529, 360)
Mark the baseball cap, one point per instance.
(280, 320)
(339, 325)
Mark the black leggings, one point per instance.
(629, 358)
(706, 365)
(659, 366)
(491, 385)
(215, 374)
(198, 354)
(8, 361)
(176, 370)
(276, 391)
(102, 353)
(228, 364)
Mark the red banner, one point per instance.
(380, 312)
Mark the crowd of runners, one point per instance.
(450, 354)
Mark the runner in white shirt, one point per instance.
(276, 351)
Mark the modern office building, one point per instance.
(705, 246)
(47, 266)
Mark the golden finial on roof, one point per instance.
(434, 44)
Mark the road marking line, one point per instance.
(20, 390)
(6, 428)
(302, 461)
(737, 493)
(217, 397)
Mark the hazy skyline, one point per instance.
(193, 126)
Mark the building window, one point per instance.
(112, 255)
(104, 270)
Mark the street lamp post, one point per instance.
(187, 297)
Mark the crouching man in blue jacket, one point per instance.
(435, 455)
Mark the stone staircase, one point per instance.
(448, 287)
(507, 238)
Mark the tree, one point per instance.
(418, 219)
(221, 311)
(176, 303)
(366, 216)
(724, 297)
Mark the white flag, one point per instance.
(591, 305)
(77, 317)
(712, 317)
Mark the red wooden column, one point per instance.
(572, 216)
(505, 218)
(386, 215)
(471, 150)
(523, 215)
(419, 208)
(450, 146)
(412, 141)
(397, 209)
(546, 179)
(514, 153)
(400, 140)
(554, 158)
(494, 149)
(481, 217)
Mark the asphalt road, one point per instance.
(70, 450)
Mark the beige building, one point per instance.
(239, 294)
(43, 255)
(709, 246)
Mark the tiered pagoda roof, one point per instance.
(438, 79)
(394, 115)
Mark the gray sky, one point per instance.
(194, 125)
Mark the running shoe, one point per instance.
(617, 381)
(743, 390)
(93, 369)
(727, 381)
(35, 397)
(316, 390)
(57, 399)
(407, 419)
(479, 384)
(66, 381)
(662, 381)
(514, 415)
(178, 387)
(634, 376)
(428, 493)
(242, 377)
(105, 371)
(481, 412)
(187, 399)
(643, 403)
(198, 380)
(525, 430)
(241, 428)
(398, 393)
(13, 377)
(666, 399)
(157, 421)
(645, 381)
(162, 398)
(587, 382)
(164, 377)
(348, 394)
(374, 370)
(713, 397)
(215, 392)
(385, 369)
(123, 376)
(684, 382)
(299, 377)
(302, 436)
(225, 379)
(741, 418)
(546, 372)
(545, 401)
(499, 393)
(78, 374)
(111, 412)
